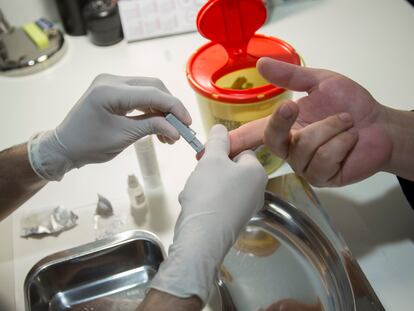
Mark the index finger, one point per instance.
(247, 136)
(127, 98)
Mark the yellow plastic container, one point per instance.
(233, 115)
(238, 96)
(223, 72)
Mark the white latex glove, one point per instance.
(219, 198)
(97, 128)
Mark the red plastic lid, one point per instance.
(231, 25)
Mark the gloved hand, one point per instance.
(97, 128)
(218, 199)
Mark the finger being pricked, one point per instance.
(305, 142)
(247, 136)
(325, 167)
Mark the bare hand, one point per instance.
(334, 136)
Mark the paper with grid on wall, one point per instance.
(144, 19)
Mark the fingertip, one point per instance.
(345, 117)
(285, 112)
(164, 128)
(181, 112)
(218, 140)
(218, 130)
(161, 138)
(263, 62)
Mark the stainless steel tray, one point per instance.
(110, 274)
(289, 257)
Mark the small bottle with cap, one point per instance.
(136, 193)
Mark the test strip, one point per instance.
(187, 133)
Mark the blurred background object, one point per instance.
(30, 48)
(71, 16)
(102, 22)
(22, 11)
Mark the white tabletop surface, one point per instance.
(370, 41)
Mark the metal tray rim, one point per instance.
(89, 248)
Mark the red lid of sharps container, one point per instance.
(231, 27)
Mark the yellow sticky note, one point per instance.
(37, 35)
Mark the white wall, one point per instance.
(19, 12)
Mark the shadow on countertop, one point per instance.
(365, 226)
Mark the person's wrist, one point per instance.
(399, 127)
(47, 156)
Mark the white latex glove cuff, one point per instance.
(46, 156)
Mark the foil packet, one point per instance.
(50, 222)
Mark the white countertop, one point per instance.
(370, 41)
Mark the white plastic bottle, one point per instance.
(148, 162)
(136, 193)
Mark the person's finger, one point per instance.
(146, 81)
(277, 132)
(304, 143)
(325, 166)
(218, 142)
(247, 136)
(170, 141)
(166, 140)
(290, 76)
(161, 138)
(152, 125)
(126, 98)
(109, 79)
(247, 158)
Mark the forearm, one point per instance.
(400, 126)
(160, 301)
(18, 181)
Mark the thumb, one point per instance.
(248, 158)
(218, 141)
(290, 76)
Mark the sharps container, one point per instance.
(223, 73)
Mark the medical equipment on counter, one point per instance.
(310, 263)
(102, 22)
(148, 162)
(48, 222)
(229, 90)
(136, 193)
(187, 133)
(30, 49)
(106, 222)
(70, 12)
